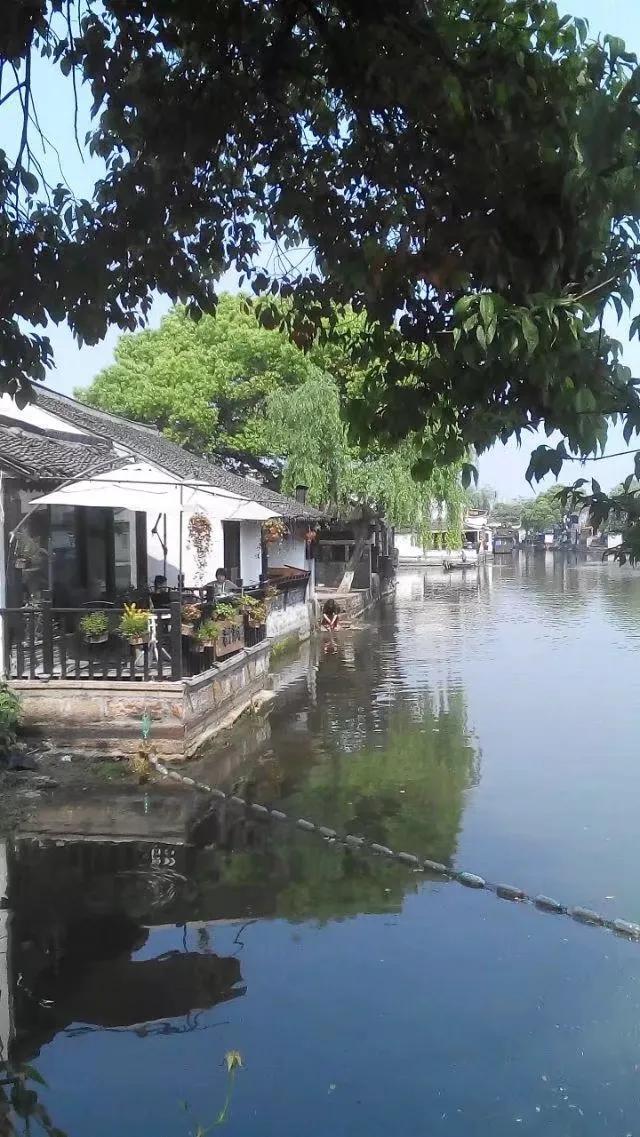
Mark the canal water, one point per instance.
(490, 722)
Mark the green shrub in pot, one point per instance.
(95, 627)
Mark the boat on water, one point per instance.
(463, 562)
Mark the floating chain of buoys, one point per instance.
(431, 869)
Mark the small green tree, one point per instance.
(545, 511)
(484, 497)
(507, 512)
(306, 430)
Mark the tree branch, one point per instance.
(18, 87)
(25, 110)
(73, 80)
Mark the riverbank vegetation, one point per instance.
(10, 716)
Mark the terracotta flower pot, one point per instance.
(101, 639)
(139, 640)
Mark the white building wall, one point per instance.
(250, 552)
(291, 552)
(289, 621)
(407, 546)
(156, 559)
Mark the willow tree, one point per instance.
(306, 430)
(464, 172)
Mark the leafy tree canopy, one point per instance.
(307, 430)
(481, 497)
(246, 395)
(204, 384)
(507, 512)
(465, 172)
(545, 511)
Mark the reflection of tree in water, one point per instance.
(555, 580)
(21, 1110)
(406, 788)
(403, 787)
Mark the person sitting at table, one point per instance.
(221, 586)
(160, 595)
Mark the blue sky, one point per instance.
(503, 466)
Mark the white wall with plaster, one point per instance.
(291, 551)
(289, 621)
(250, 552)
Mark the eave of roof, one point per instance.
(41, 456)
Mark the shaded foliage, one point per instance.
(465, 172)
(507, 512)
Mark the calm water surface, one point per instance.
(493, 724)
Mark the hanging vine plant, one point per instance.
(199, 529)
(274, 531)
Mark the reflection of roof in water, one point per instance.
(93, 979)
(125, 992)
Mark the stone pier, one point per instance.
(105, 715)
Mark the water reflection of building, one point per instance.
(81, 907)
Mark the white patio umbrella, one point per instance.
(141, 488)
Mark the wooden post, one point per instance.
(176, 639)
(47, 636)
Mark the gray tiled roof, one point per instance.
(43, 456)
(150, 444)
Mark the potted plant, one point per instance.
(274, 530)
(207, 635)
(225, 612)
(190, 614)
(95, 627)
(134, 625)
(254, 610)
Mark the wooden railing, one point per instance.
(41, 641)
